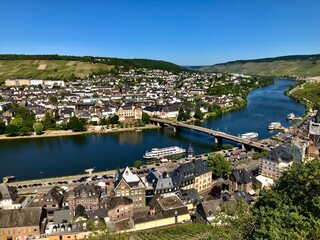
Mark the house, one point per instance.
(206, 211)
(86, 195)
(127, 184)
(129, 112)
(240, 180)
(21, 223)
(189, 197)
(52, 201)
(203, 175)
(120, 208)
(5, 106)
(275, 162)
(9, 198)
(163, 111)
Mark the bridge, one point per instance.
(218, 135)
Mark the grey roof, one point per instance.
(91, 190)
(100, 213)
(242, 176)
(200, 168)
(279, 154)
(80, 211)
(62, 216)
(241, 195)
(20, 217)
(7, 192)
(188, 196)
(53, 194)
(209, 208)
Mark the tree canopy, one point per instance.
(219, 166)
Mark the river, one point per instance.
(59, 156)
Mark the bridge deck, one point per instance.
(214, 133)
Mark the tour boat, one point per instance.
(157, 153)
(249, 135)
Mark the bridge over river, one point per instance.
(218, 135)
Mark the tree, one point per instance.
(145, 118)
(2, 127)
(198, 114)
(25, 131)
(48, 122)
(17, 121)
(12, 130)
(103, 121)
(1, 99)
(219, 166)
(137, 164)
(38, 128)
(114, 119)
(76, 125)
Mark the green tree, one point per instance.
(76, 125)
(103, 121)
(145, 118)
(17, 121)
(25, 131)
(137, 164)
(12, 130)
(48, 121)
(219, 166)
(1, 99)
(114, 119)
(198, 114)
(38, 128)
(2, 127)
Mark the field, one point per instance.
(49, 69)
(277, 67)
(311, 91)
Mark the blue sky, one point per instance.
(198, 32)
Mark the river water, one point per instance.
(59, 156)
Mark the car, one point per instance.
(25, 186)
(60, 182)
(107, 184)
(49, 183)
(74, 181)
(20, 186)
(65, 182)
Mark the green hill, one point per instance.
(70, 67)
(300, 65)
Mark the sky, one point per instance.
(186, 32)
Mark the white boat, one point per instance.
(274, 125)
(157, 153)
(249, 135)
(290, 116)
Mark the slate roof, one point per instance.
(242, 176)
(7, 192)
(188, 196)
(100, 213)
(209, 208)
(62, 216)
(279, 154)
(241, 195)
(53, 194)
(92, 190)
(80, 211)
(200, 167)
(20, 217)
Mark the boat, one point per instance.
(157, 153)
(274, 125)
(290, 116)
(138, 130)
(249, 135)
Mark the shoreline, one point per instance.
(63, 133)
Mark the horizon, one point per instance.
(189, 34)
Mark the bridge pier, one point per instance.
(218, 141)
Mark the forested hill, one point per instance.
(301, 65)
(68, 67)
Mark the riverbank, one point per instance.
(65, 133)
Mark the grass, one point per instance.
(53, 69)
(277, 67)
(311, 91)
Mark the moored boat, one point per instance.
(249, 135)
(274, 125)
(157, 153)
(290, 116)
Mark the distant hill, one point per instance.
(300, 65)
(193, 67)
(70, 67)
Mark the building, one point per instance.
(240, 180)
(206, 211)
(21, 223)
(4, 106)
(9, 197)
(129, 112)
(52, 201)
(127, 184)
(203, 175)
(163, 111)
(275, 162)
(120, 208)
(86, 195)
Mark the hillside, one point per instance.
(69, 67)
(300, 65)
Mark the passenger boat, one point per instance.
(274, 125)
(157, 153)
(249, 135)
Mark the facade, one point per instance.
(129, 112)
(20, 223)
(127, 184)
(275, 162)
(86, 195)
(163, 111)
(120, 208)
(240, 180)
(8, 196)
